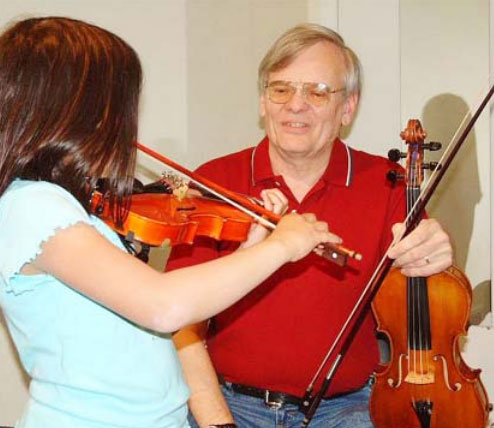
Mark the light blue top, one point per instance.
(90, 368)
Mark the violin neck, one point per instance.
(419, 331)
(413, 194)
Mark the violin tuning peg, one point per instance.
(395, 155)
(431, 165)
(433, 146)
(394, 176)
(434, 166)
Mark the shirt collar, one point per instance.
(338, 172)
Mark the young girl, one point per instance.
(90, 322)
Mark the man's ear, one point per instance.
(349, 109)
(262, 105)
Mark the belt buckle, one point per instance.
(271, 404)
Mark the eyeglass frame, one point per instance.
(303, 86)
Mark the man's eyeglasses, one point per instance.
(316, 94)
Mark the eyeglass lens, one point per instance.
(281, 92)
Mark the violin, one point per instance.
(155, 219)
(426, 383)
(349, 328)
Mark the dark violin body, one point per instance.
(426, 383)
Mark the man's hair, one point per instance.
(295, 40)
(69, 95)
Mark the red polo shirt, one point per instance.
(276, 337)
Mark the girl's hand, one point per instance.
(301, 233)
(274, 200)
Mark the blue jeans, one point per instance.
(347, 411)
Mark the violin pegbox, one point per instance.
(414, 136)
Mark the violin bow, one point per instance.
(311, 401)
(333, 252)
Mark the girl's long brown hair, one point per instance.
(69, 96)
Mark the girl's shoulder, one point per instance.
(38, 202)
(31, 212)
(37, 192)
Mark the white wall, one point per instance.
(199, 98)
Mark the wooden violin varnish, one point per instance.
(426, 383)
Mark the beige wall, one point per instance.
(421, 59)
(157, 30)
(225, 41)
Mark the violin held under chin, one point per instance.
(157, 217)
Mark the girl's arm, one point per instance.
(82, 258)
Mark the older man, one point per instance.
(262, 353)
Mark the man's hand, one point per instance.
(425, 251)
(273, 200)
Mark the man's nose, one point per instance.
(298, 101)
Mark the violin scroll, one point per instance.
(413, 133)
(414, 136)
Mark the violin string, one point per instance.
(418, 326)
(411, 313)
(224, 198)
(333, 252)
(383, 259)
(188, 175)
(415, 325)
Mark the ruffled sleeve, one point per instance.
(30, 213)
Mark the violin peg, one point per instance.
(431, 166)
(433, 146)
(394, 176)
(395, 155)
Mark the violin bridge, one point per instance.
(420, 378)
(177, 183)
(421, 370)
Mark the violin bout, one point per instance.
(156, 219)
(426, 383)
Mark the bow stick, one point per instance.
(333, 252)
(344, 338)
